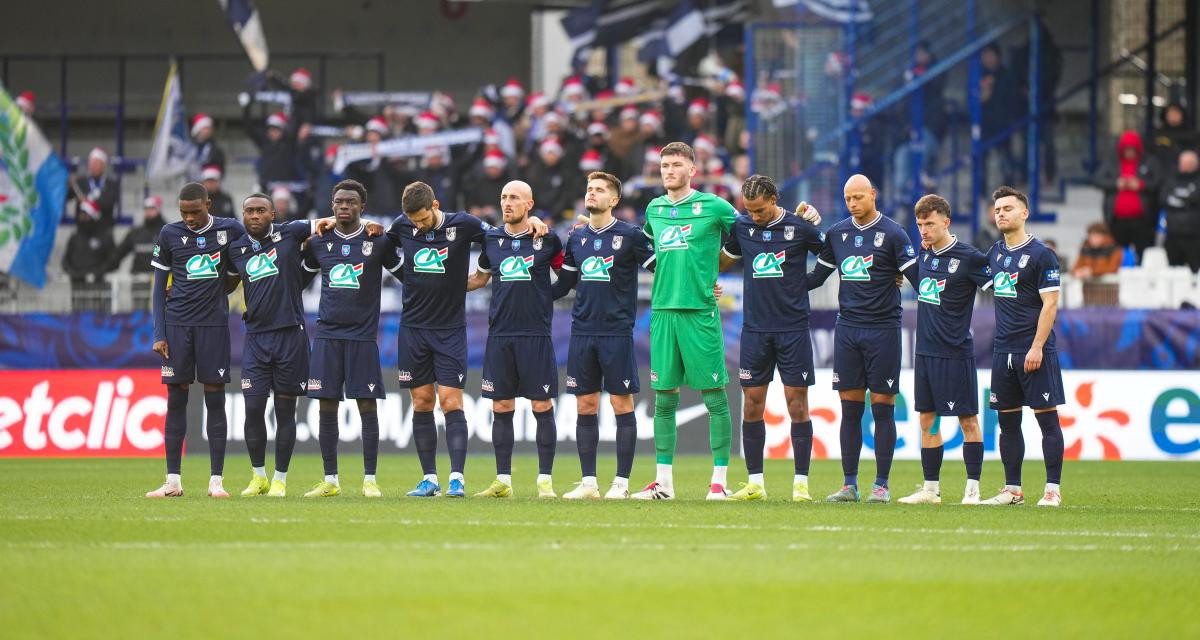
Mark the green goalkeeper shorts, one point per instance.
(687, 346)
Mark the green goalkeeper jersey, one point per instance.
(687, 243)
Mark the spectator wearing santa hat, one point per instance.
(512, 97)
(705, 148)
(625, 87)
(574, 90)
(481, 112)
(598, 112)
(427, 123)
(639, 190)
(650, 137)
(26, 103)
(598, 136)
(376, 129)
(140, 242)
(554, 181)
(208, 152)
(482, 186)
(222, 204)
(698, 118)
(95, 192)
(278, 158)
(306, 103)
(383, 177)
(624, 136)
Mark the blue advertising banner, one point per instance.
(1087, 339)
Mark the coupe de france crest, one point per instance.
(345, 250)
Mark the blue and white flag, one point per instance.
(33, 189)
(172, 153)
(243, 17)
(843, 11)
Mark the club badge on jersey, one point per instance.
(367, 247)
(616, 242)
(451, 233)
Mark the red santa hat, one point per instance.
(860, 101)
(715, 167)
(597, 128)
(630, 113)
(152, 202)
(378, 125)
(704, 142)
(495, 159)
(278, 120)
(573, 86)
(653, 154)
(624, 86)
(699, 106)
(481, 108)
(651, 118)
(538, 100)
(281, 193)
(591, 161)
(735, 90)
(512, 89)
(301, 78)
(427, 120)
(25, 100)
(550, 145)
(552, 116)
(200, 121)
(490, 137)
(98, 154)
(605, 95)
(210, 172)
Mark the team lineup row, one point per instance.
(687, 237)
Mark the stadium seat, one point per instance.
(1142, 288)
(1155, 258)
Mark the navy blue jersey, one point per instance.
(522, 301)
(1022, 274)
(436, 266)
(868, 259)
(351, 281)
(605, 263)
(774, 290)
(198, 262)
(272, 277)
(946, 298)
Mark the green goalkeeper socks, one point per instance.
(665, 404)
(720, 426)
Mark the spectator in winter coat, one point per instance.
(95, 193)
(1181, 200)
(86, 260)
(1130, 183)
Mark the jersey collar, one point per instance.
(604, 228)
(1008, 248)
(878, 217)
(205, 228)
(953, 241)
(515, 235)
(441, 222)
(361, 228)
(682, 200)
(777, 219)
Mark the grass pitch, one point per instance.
(83, 555)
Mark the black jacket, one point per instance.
(1181, 200)
(103, 191)
(222, 205)
(140, 242)
(88, 251)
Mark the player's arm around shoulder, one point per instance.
(731, 252)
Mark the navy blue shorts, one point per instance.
(197, 354)
(426, 356)
(351, 363)
(275, 360)
(791, 351)
(521, 366)
(596, 363)
(946, 386)
(1013, 388)
(866, 359)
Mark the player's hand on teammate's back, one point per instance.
(374, 229)
(718, 291)
(160, 347)
(1033, 359)
(808, 213)
(323, 225)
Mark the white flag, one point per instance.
(243, 17)
(173, 151)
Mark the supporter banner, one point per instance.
(99, 413)
(375, 98)
(1109, 415)
(1087, 338)
(402, 147)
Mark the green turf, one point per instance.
(83, 555)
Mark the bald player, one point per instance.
(519, 357)
(869, 251)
